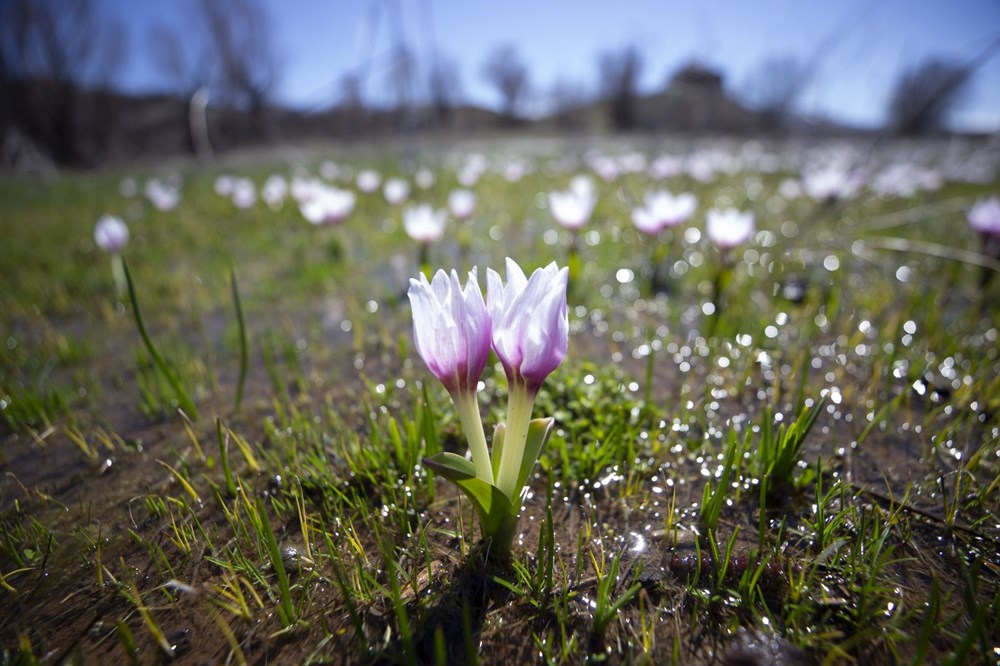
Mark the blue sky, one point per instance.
(869, 43)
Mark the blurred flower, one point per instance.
(831, 183)
(605, 167)
(111, 234)
(461, 203)
(515, 170)
(790, 188)
(572, 208)
(244, 193)
(274, 191)
(665, 166)
(729, 228)
(905, 179)
(662, 210)
(326, 205)
(162, 195)
(223, 185)
(530, 325)
(424, 178)
(396, 190)
(472, 170)
(368, 180)
(330, 170)
(984, 216)
(424, 224)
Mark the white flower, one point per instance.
(662, 210)
(424, 224)
(327, 205)
(728, 228)
(244, 194)
(274, 191)
(368, 180)
(572, 209)
(223, 185)
(461, 203)
(396, 190)
(111, 234)
(164, 196)
(984, 216)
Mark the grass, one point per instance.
(809, 473)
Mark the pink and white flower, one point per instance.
(424, 224)
(111, 234)
(729, 228)
(461, 203)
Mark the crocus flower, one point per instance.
(451, 330)
(729, 228)
(984, 217)
(223, 185)
(330, 170)
(368, 180)
(572, 208)
(244, 194)
(111, 234)
(164, 196)
(461, 203)
(274, 190)
(832, 182)
(662, 210)
(530, 337)
(327, 205)
(424, 224)
(396, 190)
(472, 170)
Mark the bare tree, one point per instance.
(774, 88)
(51, 53)
(184, 64)
(504, 70)
(619, 82)
(566, 101)
(400, 75)
(925, 95)
(444, 88)
(352, 112)
(246, 69)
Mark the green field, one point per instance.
(683, 510)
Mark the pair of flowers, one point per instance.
(524, 321)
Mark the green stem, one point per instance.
(519, 404)
(500, 540)
(425, 259)
(118, 272)
(472, 426)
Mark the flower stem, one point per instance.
(472, 426)
(519, 404)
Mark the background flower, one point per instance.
(729, 228)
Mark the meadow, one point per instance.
(783, 452)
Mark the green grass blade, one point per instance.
(238, 306)
(183, 399)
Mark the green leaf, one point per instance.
(494, 508)
(538, 433)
